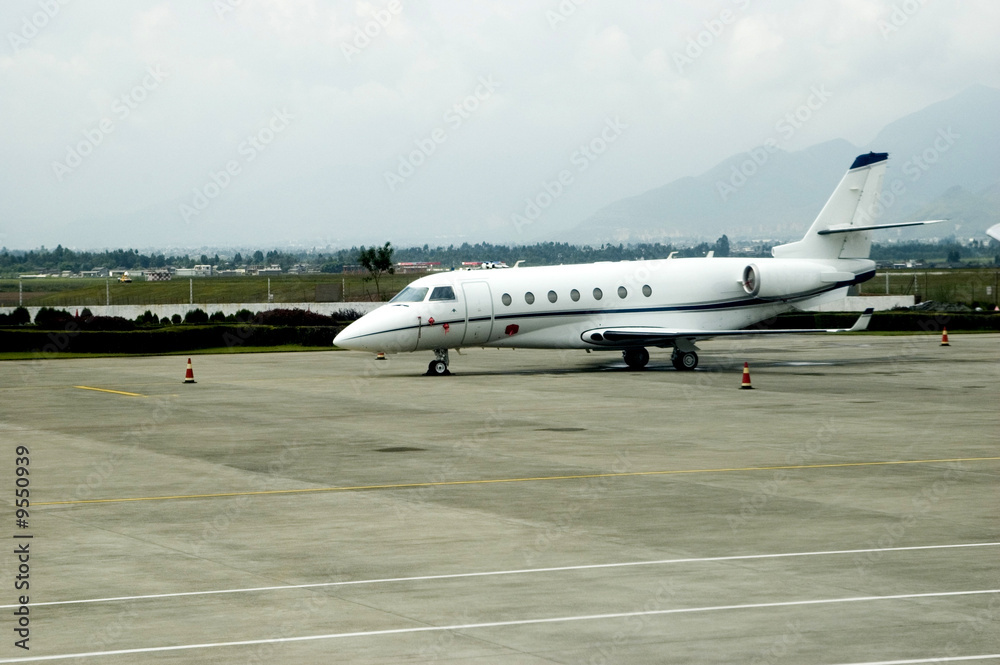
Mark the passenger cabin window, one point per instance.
(443, 293)
(529, 297)
(505, 299)
(411, 294)
(622, 292)
(575, 295)
(646, 291)
(598, 294)
(553, 296)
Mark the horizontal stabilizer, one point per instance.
(847, 228)
(641, 336)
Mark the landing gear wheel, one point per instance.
(437, 368)
(685, 361)
(636, 358)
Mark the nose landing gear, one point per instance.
(439, 366)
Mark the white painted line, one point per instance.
(942, 659)
(497, 624)
(525, 571)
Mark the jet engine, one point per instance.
(786, 279)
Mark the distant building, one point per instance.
(412, 266)
(197, 271)
(483, 265)
(96, 272)
(273, 269)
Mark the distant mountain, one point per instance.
(943, 164)
(971, 213)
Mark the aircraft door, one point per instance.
(443, 319)
(478, 313)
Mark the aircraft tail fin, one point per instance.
(843, 227)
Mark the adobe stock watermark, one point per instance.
(925, 502)
(223, 7)
(425, 146)
(562, 521)
(899, 16)
(32, 25)
(634, 627)
(751, 507)
(708, 37)
(785, 128)
(121, 109)
(581, 159)
(913, 168)
(780, 647)
(562, 12)
(249, 149)
(363, 36)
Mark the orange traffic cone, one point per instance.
(944, 337)
(189, 375)
(746, 377)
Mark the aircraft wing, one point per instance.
(653, 336)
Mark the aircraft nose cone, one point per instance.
(343, 338)
(389, 329)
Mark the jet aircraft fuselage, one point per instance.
(631, 305)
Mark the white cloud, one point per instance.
(355, 116)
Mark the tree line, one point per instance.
(14, 262)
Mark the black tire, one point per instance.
(636, 358)
(437, 368)
(685, 361)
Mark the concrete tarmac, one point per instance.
(534, 507)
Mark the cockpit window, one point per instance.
(411, 294)
(443, 293)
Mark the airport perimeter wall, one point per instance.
(861, 303)
(132, 312)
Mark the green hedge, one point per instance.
(174, 338)
(892, 321)
(187, 337)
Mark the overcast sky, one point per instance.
(310, 123)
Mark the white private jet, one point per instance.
(632, 305)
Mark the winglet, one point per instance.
(862, 322)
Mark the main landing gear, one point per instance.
(636, 358)
(439, 366)
(684, 361)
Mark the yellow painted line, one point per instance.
(105, 390)
(513, 480)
